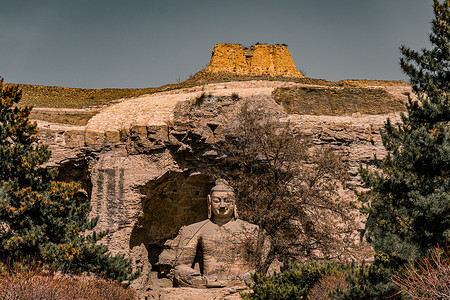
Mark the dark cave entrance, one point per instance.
(171, 201)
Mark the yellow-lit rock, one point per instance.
(258, 60)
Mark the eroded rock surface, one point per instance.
(142, 161)
(257, 60)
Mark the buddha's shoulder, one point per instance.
(195, 226)
(245, 224)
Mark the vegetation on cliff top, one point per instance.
(63, 97)
(337, 102)
(364, 101)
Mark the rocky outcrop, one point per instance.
(257, 60)
(142, 162)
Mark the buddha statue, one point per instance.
(213, 252)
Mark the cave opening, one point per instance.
(169, 202)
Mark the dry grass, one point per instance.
(366, 83)
(23, 282)
(58, 97)
(79, 119)
(51, 96)
(337, 101)
(204, 77)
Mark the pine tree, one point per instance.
(409, 195)
(409, 210)
(429, 70)
(40, 218)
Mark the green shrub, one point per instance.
(293, 283)
(366, 281)
(325, 280)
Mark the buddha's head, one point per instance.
(222, 201)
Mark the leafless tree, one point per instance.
(288, 188)
(427, 277)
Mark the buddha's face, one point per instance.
(222, 203)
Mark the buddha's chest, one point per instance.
(224, 252)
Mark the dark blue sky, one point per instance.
(132, 43)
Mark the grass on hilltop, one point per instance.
(337, 102)
(77, 119)
(58, 97)
(63, 97)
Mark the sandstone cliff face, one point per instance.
(142, 162)
(258, 60)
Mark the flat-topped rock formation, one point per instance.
(257, 60)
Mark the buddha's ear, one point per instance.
(236, 216)
(208, 203)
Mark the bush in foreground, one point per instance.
(28, 282)
(427, 277)
(297, 282)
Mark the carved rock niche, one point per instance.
(170, 202)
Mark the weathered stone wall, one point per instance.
(258, 60)
(142, 162)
